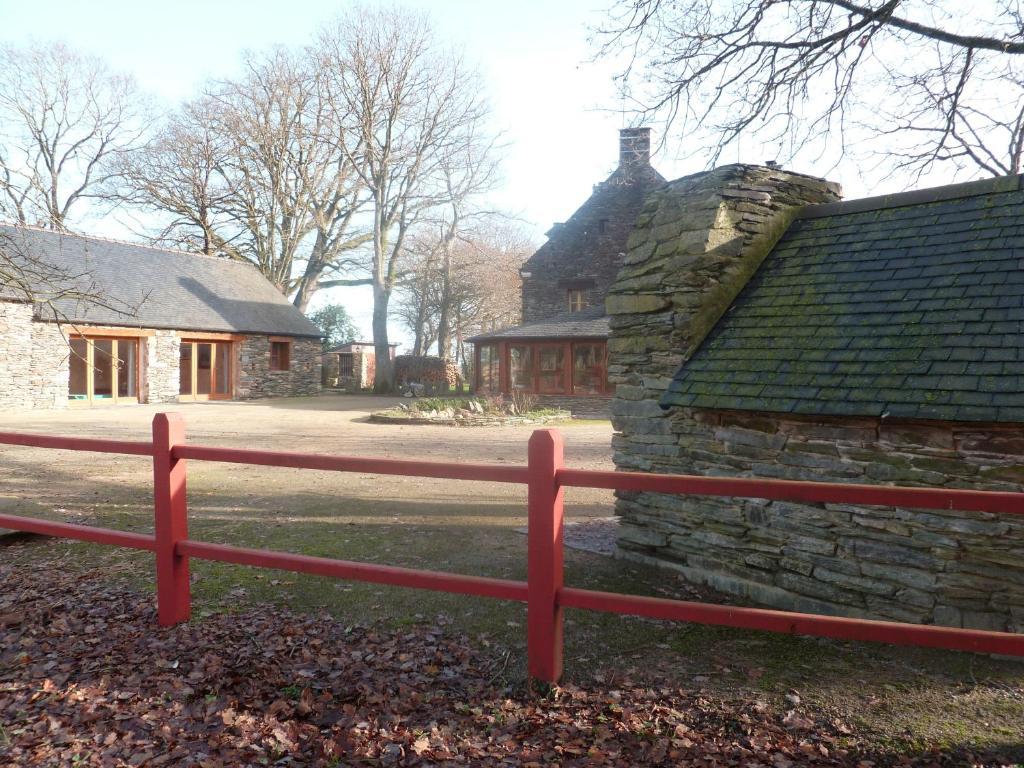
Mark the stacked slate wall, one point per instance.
(256, 380)
(697, 242)
(585, 252)
(922, 566)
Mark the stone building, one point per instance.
(760, 328)
(560, 349)
(100, 322)
(352, 366)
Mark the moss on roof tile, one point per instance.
(914, 310)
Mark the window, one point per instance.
(588, 374)
(490, 380)
(576, 302)
(346, 365)
(551, 365)
(602, 226)
(521, 368)
(103, 370)
(280, 355)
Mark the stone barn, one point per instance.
(352, 366)
(88, 322)
(762, 328)
(559, 352)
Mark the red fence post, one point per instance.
(173, 595)
(545, 556)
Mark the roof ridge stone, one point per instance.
(118, 241)
(958, 191)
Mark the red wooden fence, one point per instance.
(544, 592)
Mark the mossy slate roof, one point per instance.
(908, 306)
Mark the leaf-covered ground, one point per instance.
(87, 678)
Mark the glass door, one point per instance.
(103, 370)
(205, 370)
(551, 369)
(185, 371)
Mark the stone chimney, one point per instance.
(694, 246)
(634, 148)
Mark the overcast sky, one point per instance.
(558, 110)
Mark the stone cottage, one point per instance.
(560, 349)
(100, 322)
(352, 366)
(761, 328)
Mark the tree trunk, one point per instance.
(384, 379)
(304, 293)
(309, 283)
(444, 320)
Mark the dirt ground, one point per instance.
(326, 424)
(901, 698)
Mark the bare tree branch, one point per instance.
(930, 77)
(65, 123)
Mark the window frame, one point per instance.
(117, 370)
(280, 363)
(577, 299)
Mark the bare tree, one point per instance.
(932, 82)
(65, 119)
(412, 107)
(253, 171)
(468, 172)
(416, 307)
(474, 283)
(179, 177)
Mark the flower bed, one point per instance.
(471, 412)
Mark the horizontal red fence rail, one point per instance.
(79, 532)
(94, 444)
(790, 623)
(496, 473)
(544, 592)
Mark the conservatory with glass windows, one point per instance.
(561, 356)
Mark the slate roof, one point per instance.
(152, 287)
(588, 323)
(906, 306)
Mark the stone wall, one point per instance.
(586, 251)
(161, 376)
(590, 407)
(256, 380)
(33, 360)
(923, 566)
(696, 243)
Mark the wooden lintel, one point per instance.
(105, 331)
(208, 336)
